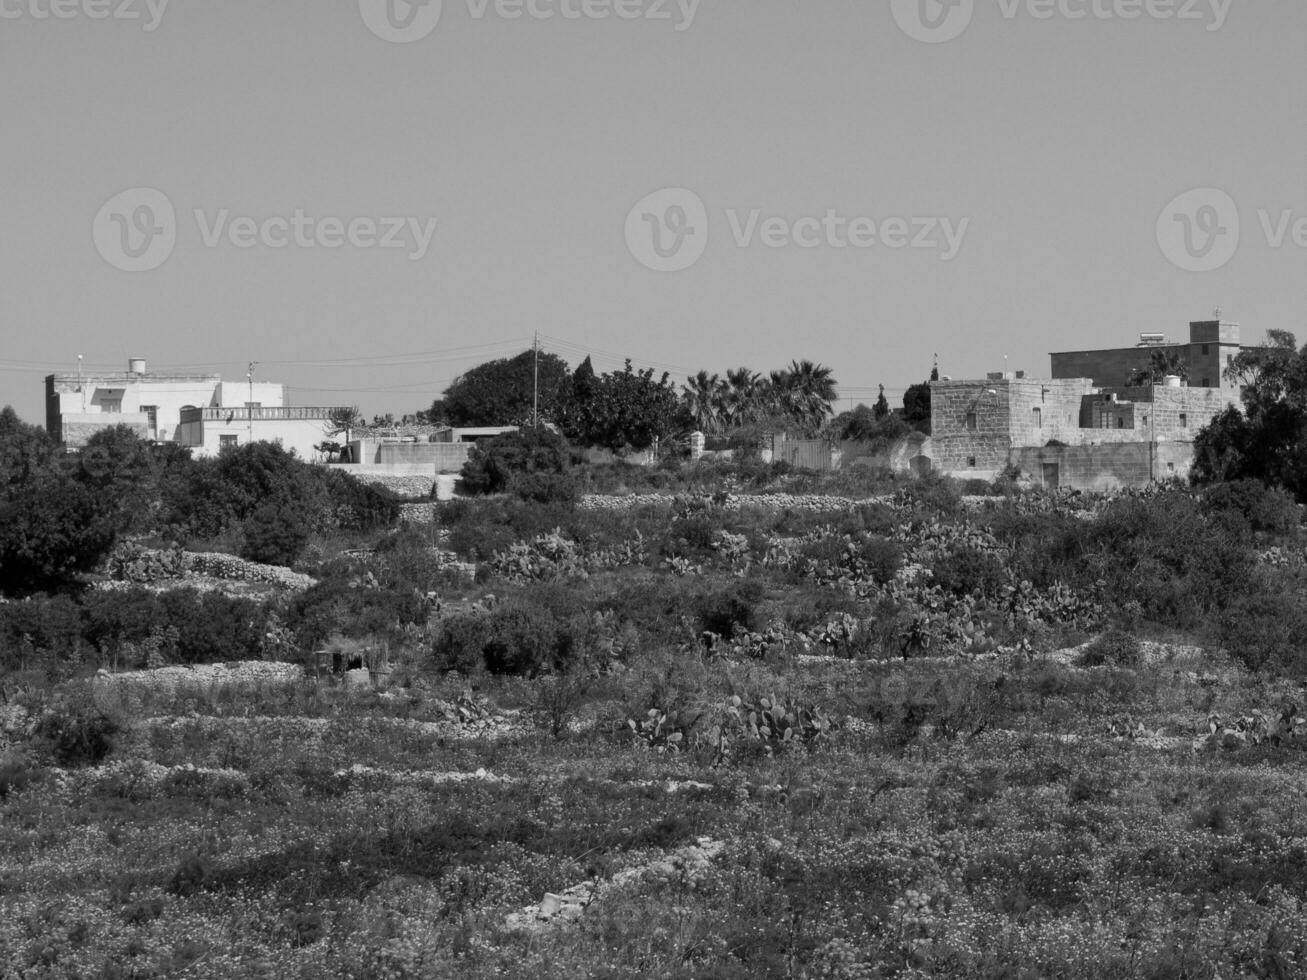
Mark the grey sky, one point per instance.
(1059, 142)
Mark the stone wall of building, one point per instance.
(1106, 466)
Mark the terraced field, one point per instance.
(808, 797)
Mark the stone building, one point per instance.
(1089, 431)
(1212, 345)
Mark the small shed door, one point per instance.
(1052, 478)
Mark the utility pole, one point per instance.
(249, 405)
(535, 386)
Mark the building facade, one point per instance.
(1212, 345)
(200, 411)
(1088, 431)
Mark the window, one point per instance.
(971, 421)
(1039, 418)
(111, 406)
(1207, 383)
(1204, 350)
(1184, 420)
(152, 416)
(225, 441)
(1120, 422)
(971, 462)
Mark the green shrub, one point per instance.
(1264, 631)
(76, 735)
(461, 642)
(495, 463)
(274, 535)
(519, 638)
(933, 494)
(724, 610)
(969, 571)
(545, 488)
(1115, 648)
(1253, 505)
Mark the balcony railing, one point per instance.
(242, 414)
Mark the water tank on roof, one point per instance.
(1172, 381)
(136, 365)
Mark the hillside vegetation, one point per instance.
(699, 721)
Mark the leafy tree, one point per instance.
(51, 528)
(629, 409)
(864, 425)
(916, 407)
(24, 449)
(1267, 441)
(882, 404)
(500, 392)
(123, 469)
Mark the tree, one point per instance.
(122, 468)
(343, 421)
(882, 404)
(501, 392)
(629, 409)
(24, 449)
(703, 396)
(51, 529)
(1267, 441)
(916, 407)
(1162, 362)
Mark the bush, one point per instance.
(1115, 648)
(274, 535)
(76, 735)
(545, 488)
(934, 494)
(1264, 631)
(494, 464)
(51, 530)
(1253, 505)
(722, 611)
(969, 571)
(519, 638)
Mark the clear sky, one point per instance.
(1050, 136)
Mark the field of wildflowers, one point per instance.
(709, 736)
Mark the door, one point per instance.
(1051, 476)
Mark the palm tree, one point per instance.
(344, 420)
(811, 393)
(742, 396)
(702, 395)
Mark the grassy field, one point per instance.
(1016, 739)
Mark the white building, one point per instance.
(202, 412)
